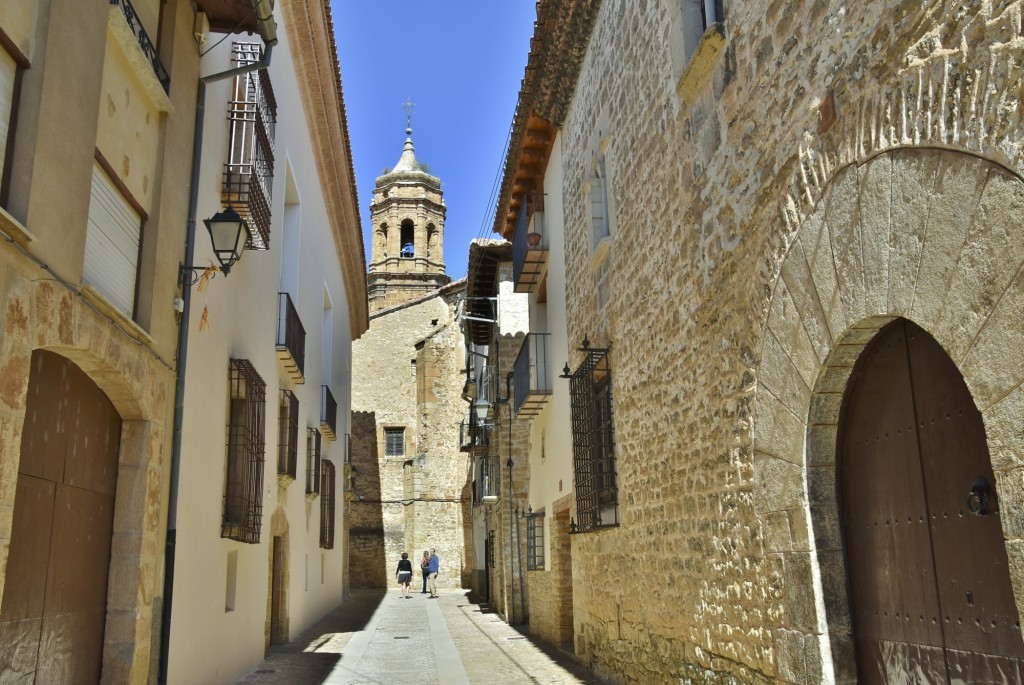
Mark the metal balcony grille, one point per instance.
(327, 499)
(288, 435)
(291, 338)
(312, 461)
(590, 387)
(529, 246)
(249, 170)
(533, 375)
(243, 491)
(148, 49)
(535, 542)
(328, 413)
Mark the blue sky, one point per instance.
(461, 61)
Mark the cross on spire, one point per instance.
(410, 108)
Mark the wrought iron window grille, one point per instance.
(394, 442)
(291, 335)
(243, 491)
(288, 435)
(147, 46)
(535, 541)
(327, 500)
(312, 461)
(596, 480)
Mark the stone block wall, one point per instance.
(406, 374)
(716, 361)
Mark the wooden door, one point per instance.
(54, 601)
(929, 583)
(278, 634)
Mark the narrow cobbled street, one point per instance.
(379, 638)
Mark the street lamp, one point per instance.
(482, 408)
(229, 233)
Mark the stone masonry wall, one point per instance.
(412, 502)
(709, 190)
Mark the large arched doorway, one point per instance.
(929, 584)
(55, 594)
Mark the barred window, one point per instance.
(243, 488)
(489, 549)
(327, 486)
(394, 442)
(535, 541)
(288, 434)
(312, 461)
(249, 171)
(597, 501)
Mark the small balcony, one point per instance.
(230, 16)
(533, 376)
(529, 249)
(147, 45)
(328, 414)
(291, 339)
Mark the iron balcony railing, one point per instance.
(533, 375)
(249, 170)
(291, 338)
(148, 49)
(529, 248)
(328, 413)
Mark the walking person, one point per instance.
(432, 570)
(404, 574)
(425, 569)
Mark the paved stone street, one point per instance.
(384, 639)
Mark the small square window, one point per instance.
(394, 442)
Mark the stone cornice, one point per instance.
(560, 38)
(311, 39)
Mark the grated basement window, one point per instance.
(243, 489)
(288, 435)
(597, 497)
(535, 542)
(312, 461)
(394, 442)
(327, 498)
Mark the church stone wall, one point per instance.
(406, 374)
(711, 577)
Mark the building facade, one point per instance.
(408, 477)
(791, 259)
(93, 207)
(259, 507)
(495, 322)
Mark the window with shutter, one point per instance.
(112, 242)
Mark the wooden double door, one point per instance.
(930, 591)
(53, 612)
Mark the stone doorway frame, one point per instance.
(845, 274)
(41, 314)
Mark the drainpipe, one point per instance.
(268, 32)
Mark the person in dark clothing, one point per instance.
(425, 569)
(404, 574)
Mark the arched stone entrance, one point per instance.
(929, 587)
(929, 235)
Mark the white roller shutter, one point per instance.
(112, 243)
(7, 71)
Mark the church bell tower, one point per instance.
(407, 214)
